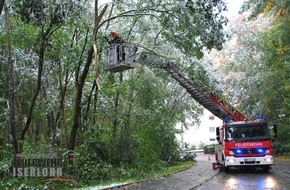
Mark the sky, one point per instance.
(233, 7)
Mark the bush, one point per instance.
(209, 149)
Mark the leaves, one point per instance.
(131, 122)
(256, 64)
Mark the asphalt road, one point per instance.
(252, 179)
(202, 177)
(188, 179)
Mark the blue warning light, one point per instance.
(260, 150)
(261, 118)
(227, 119)
(238, 151)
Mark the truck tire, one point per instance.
(224, 168)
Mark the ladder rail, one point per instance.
(204, 96)
(200, 92)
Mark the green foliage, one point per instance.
(34, 184)
(273, 7)
(282, 143)
(42, 12)
(5, 163)
(128, 128)
(17, 183)
(136, 145)
(259, 68)
(186, 155)
(185, 27)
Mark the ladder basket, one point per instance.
(120, 57)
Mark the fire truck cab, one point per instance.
(244, 143)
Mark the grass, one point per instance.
(284, 158)
(180, 166)
(161, 172)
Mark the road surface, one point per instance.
(202, 177)
(277, 179)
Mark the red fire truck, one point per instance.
(240, 142)
(244, 144)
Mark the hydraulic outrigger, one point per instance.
(236, 147)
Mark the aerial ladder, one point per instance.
(239, 145)
(120, 57)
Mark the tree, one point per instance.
(2, 2)
(81, 81)
(137, 12)
(54, 21)
(256, 67)
(263, 50)
(189, 27)
(57, 101)
(11, 82)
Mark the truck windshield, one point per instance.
(247, 133)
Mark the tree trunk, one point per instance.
(81, 81)
(88, 110)
(77, 107)
(44, 35)
(12, 122)
(2, 2)
(117, 96)
(38, 88)
(60, 114)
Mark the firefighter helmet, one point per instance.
(115, 34)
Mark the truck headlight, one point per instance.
(268, 159)
(231, 152)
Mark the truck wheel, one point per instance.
(225, 169)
